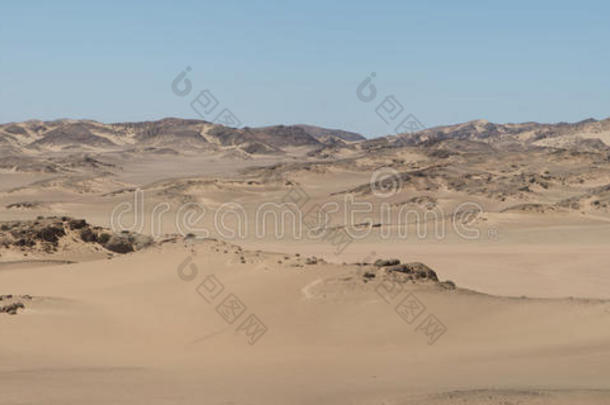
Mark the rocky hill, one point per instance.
(46, 236)
(588, 134)
(173, 133)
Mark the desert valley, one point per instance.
(181, 261)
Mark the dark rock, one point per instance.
(140, 241)
(12, 309)
(400, 268)
(87, 235)
(119, 245)
(26, 242)
(419, 270)
(311, 260)
(51, 234)
(77, 223)
(388, 262)
(422, 271)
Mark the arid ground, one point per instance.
(182, 262)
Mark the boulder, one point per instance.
(119, 245)
(51, 233)
(387, 262)
(400, 268)
(311, 260)
(87, 235)
(419, 270)
(77, 223)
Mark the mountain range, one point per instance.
(173, 135)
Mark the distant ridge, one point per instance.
(175, 135)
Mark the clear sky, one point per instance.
(285, 62)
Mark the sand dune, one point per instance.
(134, 322)
(157, 298)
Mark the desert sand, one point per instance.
(142, 319)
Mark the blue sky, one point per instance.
(284, 62)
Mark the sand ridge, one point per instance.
(475, 269)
